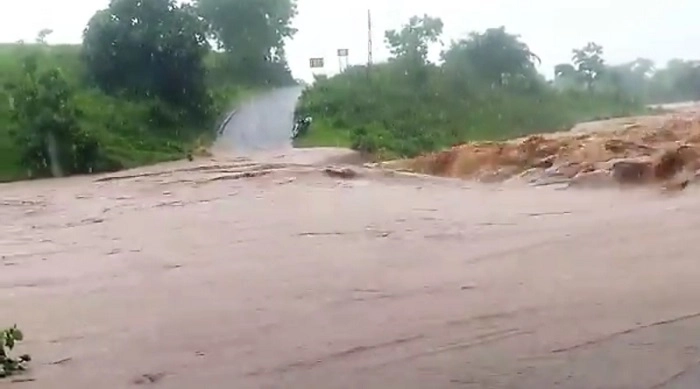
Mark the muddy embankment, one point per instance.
(659, 150)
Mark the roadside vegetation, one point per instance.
(486, 87)
(149, 83)
(10, 365)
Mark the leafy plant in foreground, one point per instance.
(8, 365)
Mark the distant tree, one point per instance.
(589, 63)
(631, 78)
(494, 55)
(643, 67)
(410, 46)
(678, 81)
(566, 77)
(42, 35)
(412, 42)
(253, 34)
(685, 78)
(564, 70)
(149, 49)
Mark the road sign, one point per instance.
(343, 52)
(316, 63)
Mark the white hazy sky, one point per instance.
(660, 30)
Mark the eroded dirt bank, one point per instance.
(659, 149)
(239, 275)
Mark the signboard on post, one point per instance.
(317, 63)
(343, 59)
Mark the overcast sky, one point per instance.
(660, 30)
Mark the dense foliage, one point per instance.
(48, 134)
(149, 49)
(486, 86)
(143, 87)
(8, 340)
(255, 53)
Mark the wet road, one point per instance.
(236, 273)
(214, 274)
(263, 123)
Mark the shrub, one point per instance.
(9, 365)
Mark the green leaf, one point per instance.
(18, 335)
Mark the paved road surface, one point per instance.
(263, 123)
(194, 276)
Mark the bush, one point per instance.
(47, 132)
(9, 365)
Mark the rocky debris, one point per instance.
(532, 174)
(671, 163)
(568, 169)
(633, 172)
(619, 146)
(545, 163)
(592, 179)
(498, 176)
(676, 186)
(340, 172)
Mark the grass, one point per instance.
(322, 134)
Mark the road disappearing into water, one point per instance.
(263, 123)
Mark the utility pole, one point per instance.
(369, 37)
(369, 41)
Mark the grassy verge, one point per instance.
(323, 134)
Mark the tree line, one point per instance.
(678, 81)
(149, 78)
(486, 86)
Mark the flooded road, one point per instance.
(264, 272)
(237, 273)
(262, 123)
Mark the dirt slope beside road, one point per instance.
(660, 149)
(190, 276)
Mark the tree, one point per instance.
(685, 76)
(678, 81)
(412, 42)
(643, 67)
(42, 35)
(48, 132)
(149, 49)
(631, 78)
(564, 70)
(589, 63)
(566, 76)
(494, 56)
(253, 34)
